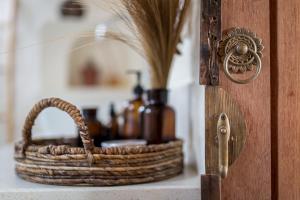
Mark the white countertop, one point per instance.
(185, 187)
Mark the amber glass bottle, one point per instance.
(113, 125)
(157, 118)
(131, 127)
(95, 127)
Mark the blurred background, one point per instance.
(49, 48)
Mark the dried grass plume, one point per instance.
(156, 27)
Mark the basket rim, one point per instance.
(62, 149)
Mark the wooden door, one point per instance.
(269, 165)
(250, 175)
(286, 92)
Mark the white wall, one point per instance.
(45, 42)
(2, 85)
(5, 15)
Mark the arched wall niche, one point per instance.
(99, 63)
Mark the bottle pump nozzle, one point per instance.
(138, 89)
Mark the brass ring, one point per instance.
(242, 81)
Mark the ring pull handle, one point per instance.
(240, 51)
(223, 134)
(64, 106)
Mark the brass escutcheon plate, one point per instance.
(244, 44)
(218, 101)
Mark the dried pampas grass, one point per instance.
(156, 26)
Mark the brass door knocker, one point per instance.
(240, 51)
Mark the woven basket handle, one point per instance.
(68, 108)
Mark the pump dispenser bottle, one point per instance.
(131, 128)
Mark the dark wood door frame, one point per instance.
(274, 97)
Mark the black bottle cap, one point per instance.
(138, 89)
(112, 111)
(157, 95)
(89, 112)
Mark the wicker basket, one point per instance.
(60, 162)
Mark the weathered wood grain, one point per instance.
(288, 94)
(250, 175)
(210, 33)
(210, 187)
